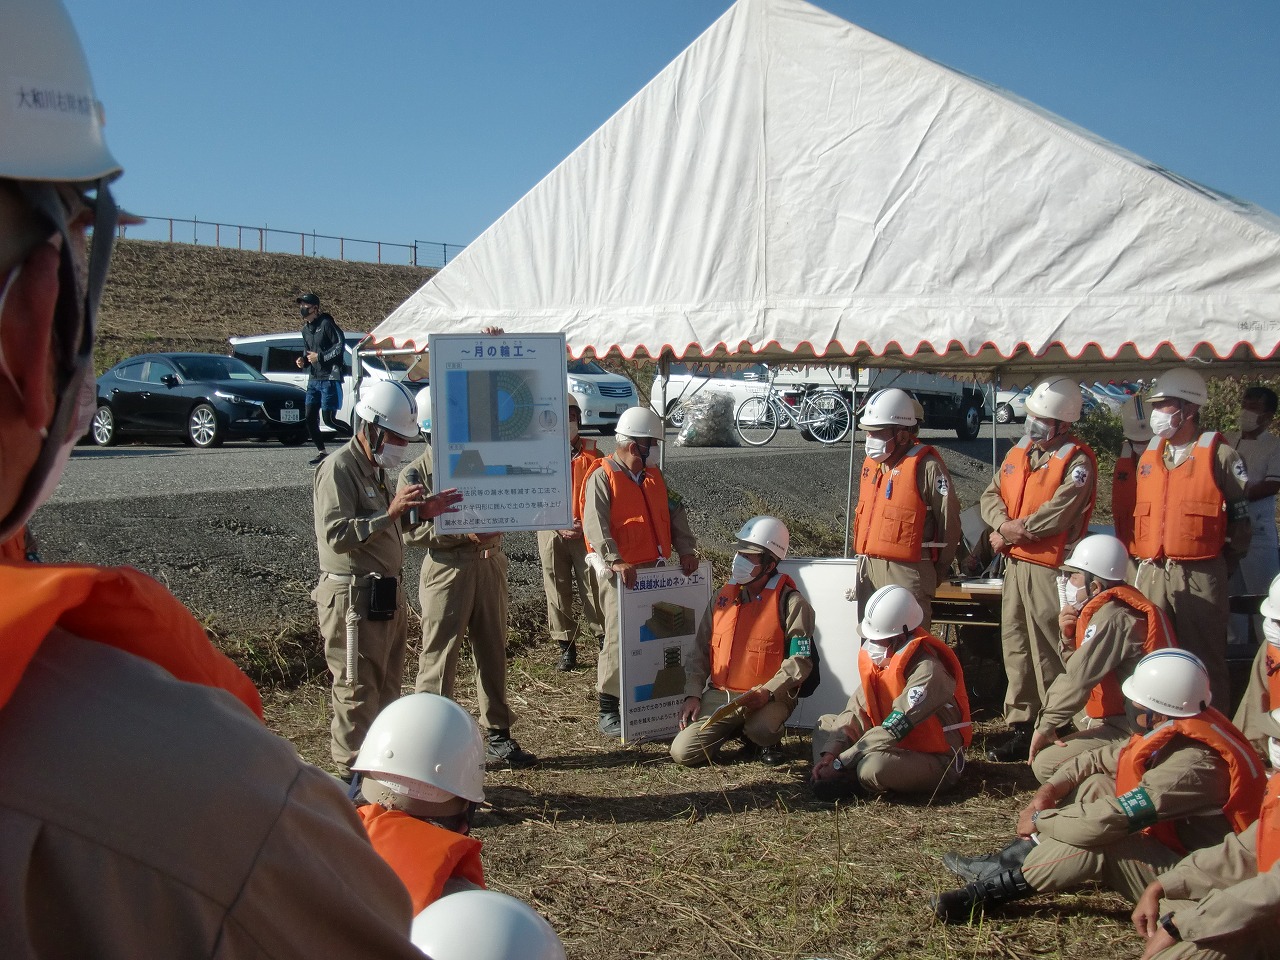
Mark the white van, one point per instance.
(275, 356)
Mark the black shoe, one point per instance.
(844, 788)
(979, 868)
(1014, 749)
(315, 461)
(772, 756)
(970, 902)
(568, 657)
(501, 748)
(610, 722)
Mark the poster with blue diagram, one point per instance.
(500, 431)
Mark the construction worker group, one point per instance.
(146, 810)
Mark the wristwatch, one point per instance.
(1169, 927)
(836, 764)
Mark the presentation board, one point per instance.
(824, 582)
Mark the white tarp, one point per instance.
(792, 184)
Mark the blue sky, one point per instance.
(400, 121)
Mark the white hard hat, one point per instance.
(1100, 554)
(890, 612)
(1270, 607)
(427, 745)
(422, 405)
(1136, 419)
(484, 925)
(1056, 398)
(1172, 682)
(388, 404)
(770, 533)
(637, 422)
(1181, 383)
(889, 408)
(50, 119)
(918, 407)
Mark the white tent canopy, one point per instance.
(792, 185)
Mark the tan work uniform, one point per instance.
(882, 766)
(696, 744)
(1089, 836)
(1029, 601)
(1253, 715)
(564, 567)
(596, 514)
(1194, 592)
(1115, 647)
(355, 538)
(463, 590)
(144, 817)
(1223, 908)
(941, 526)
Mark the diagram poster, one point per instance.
(824, 582)
(659, 619)
(500, 432)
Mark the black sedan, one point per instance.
(202, 397)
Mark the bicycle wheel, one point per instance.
(826, 416)
(756, 420)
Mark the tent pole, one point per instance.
(853, 443)
(664, 374)
(995, 389)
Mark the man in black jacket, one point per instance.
(323, 360)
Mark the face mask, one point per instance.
(1273, 752)
(743, 570)
(573, 429)
(1162, 424)
(643, 453)
(1271, 630)
(1139, 719)
(877, 449)
(391, 455)
(1070, 595)
(1037, 430)
(304, 310)
(1248, 421)
(878, 652)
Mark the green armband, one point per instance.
(799, 647)
(897, 724)
(1138, 809)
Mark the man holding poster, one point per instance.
(630, 521)
(755, 648)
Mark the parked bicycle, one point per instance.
(821, 415)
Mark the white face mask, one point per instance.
(391, 455)
(573, 430)
(1249, 420)
(1162, 424)
(1273, 752)
(1071, 595)
(743, 569)
(1037, 430)
(878, 652)
(877, 449)
(1271, 630)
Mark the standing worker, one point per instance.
(1124, 476)
(631, 521)
(323, 357)
(358, 522)
(907, 526)
(564, 558)
(1037, 507)
(1191, 522)
(463, 592)
(1259, 448)
(146, 810)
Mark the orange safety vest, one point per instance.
(1124, 495)
(884, 684)
(1268, 833)
(1214, 730)
(118, 606)
(748, 641)
(1106, 700)
(889, 522)
(424, 856)
(1024, 491)
(1179, 513)
(1273, 675)
(639, 513)
(583, 463)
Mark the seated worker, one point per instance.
(906, 726)
(485, 925)
(1220, 903)
(1124, 812)
(1256, 715)
(907, 526)
(756, 645)
(1109, 627)
(422, 773)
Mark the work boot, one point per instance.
(970, 901)
(979, 868)
(772, 756)
(1015, 748)
(610, 722)
(501, 748)
(568, 657)
(317, 459)
(845, 787)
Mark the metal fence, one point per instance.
(419, 253)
